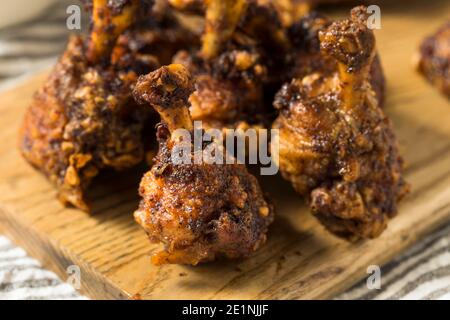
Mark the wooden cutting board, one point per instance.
(300, 259)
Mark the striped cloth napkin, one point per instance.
(22, 277)
(423, 272)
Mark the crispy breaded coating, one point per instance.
(229, 89)
(85, 119)
(199, 211)
(337, 147)
(82, 121)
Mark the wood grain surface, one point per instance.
(299, 261)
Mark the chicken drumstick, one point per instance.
(198, 211)
(84, 119)
(337, 147)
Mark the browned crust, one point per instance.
(434, 59)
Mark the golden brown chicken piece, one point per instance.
(84, 119)
(337, 147)
(200, 212)
(229, 69)
(434, 59)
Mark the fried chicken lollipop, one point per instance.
(434, 59)
(229, 69)
(200, 212)
(306, 57)
(84, 119)
(337, 147)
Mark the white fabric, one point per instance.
(22, 277)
